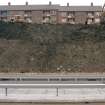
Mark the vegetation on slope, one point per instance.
(51, 48)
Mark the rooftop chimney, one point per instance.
(26, 3)
(9, 3)
(67, 4)
(91, 3)
(50, 3)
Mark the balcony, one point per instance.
(71, 22)
(64, 20)
(70, 16)
(97, 14)
(47, 15)
(97, 20)
(90, 21)
(18, 18)
(27, 15)
(4, 19)
(28, 20)
(46, 20)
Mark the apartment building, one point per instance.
(80, 14)
(51, 13)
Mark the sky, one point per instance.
(61, 2)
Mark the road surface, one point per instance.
(52, 103)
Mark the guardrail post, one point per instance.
(57, 92)
(6, 91)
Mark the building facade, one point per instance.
(51, 14)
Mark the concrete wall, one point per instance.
(51, 94)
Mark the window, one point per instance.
(71, 20)
(63, 14)
(4, 19)
(4, 13)
(53, 19)
(46, 19)
(97, 14)
(27, 13)
(46, 12)
(90, 14)
(53, 12)
(70, 13)
(28, 19)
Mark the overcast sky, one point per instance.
(61, 2)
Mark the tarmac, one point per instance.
(52, 103)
